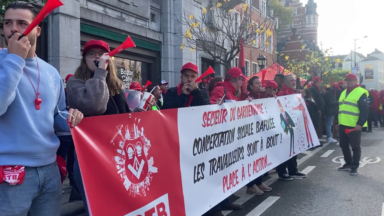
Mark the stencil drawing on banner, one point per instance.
(364, 161)
(132, 161)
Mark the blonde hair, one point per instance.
(113, 82)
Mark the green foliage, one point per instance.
(284, 14)
(335, 75)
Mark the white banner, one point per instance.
(222, 148)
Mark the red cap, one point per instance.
(205, 81)
(317, 79)
(272, 84)
(234, 73)
(210, 79)
(336, 86)
(95, 44)
(351, 77)
(341, 82)
(190, 66)
(135, 86)
(67, 77)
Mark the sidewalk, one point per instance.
(73, 208)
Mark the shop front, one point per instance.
(139, 64)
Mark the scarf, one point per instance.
(190, 97)
(164, 91)
(285, 90)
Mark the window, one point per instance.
(254, 68)
(270, 46)
(256, 39)
(263, 7)
(262, 41)
(153, 17)
(247, 68)
(340, 65)
(236, 62)
(308, 20)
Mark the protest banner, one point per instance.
(185, 161)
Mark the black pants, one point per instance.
(257, 182)
(353, 139)
(291, 164)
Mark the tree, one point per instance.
(335, 76)
(218, 31)
(284, 14)
(316, 63)
(5, 3)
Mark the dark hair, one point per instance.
(213, 82)
(22, 5)
(152, 86)
(308, 94)
(250, 82)
(280, 76)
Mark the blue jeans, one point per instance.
(79, 183)
(39, 194)
(328, 126)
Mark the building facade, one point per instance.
(302, 31)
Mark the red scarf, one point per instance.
(349, 89)
(164, 91)
(190, 97)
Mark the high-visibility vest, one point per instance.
(348, 107)
(381, 107)
(155, 107)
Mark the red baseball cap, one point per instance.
(233, 73)
(67, 77)
(351, 77)
(190, 66)
(271, 84)
(210, 79)
(95, 44)
(317, 79)
(205, 81)
(341, 82)
(336, 86)
(135, 86)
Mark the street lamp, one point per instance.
(355, 48)
(262, 61)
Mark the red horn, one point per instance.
(128, 43)
(47, 9)
(347, 131)
(263, 73)
(146, 85)
(206, 73)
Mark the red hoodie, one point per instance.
(286, 91)
(218, 92)
(376, 104)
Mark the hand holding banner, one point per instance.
(206, 73)
(47, 9)
(128, 43)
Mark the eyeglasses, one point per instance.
(93, 53)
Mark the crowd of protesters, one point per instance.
(40, 106)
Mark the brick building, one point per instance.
(302, 32)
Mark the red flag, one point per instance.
(263, 73)
(128, 43)
(206, 73)
(242, 56)
(47, 9)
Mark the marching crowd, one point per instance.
(35, 106)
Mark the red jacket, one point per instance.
(218, 92)
(285, 91)
(375, 105)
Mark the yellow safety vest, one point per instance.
(348, 108)
(381, 107)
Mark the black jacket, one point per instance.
(117, 105)
(173, 100)
(316, 95)
(331, 103)
(313, 111)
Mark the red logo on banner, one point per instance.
(132, 161)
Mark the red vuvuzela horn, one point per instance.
(146, 85)
(128, 43)
(47, 9)
(347, 131)
(206, 73)
(263, 73)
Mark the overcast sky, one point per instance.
(341, 21)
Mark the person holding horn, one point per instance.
(32, 109)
